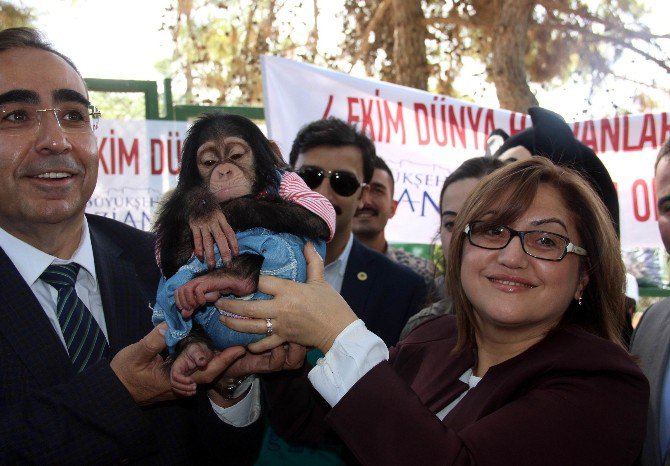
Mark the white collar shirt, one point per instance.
(334, 272)
(31, 262)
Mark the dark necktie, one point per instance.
(86, 344)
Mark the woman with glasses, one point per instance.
(456, 188)
(530, 370)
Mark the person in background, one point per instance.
(337, 161)
(456, 188)
(651, 339)
(530, 370)
(370, 222)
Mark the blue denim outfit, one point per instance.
(282, 257)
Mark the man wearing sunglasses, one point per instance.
(81, 377)
(336, 161)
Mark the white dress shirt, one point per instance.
(31, 263)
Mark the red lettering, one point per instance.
(421, 108)
(351, 118)
(458, 127)
(157, 156)
(589, 135)
(101, 157)
(328, 105)
(442, 118)
(474, 124)
(367, 119)
(611, 133)
(395, 124)
(648, 131)
(626, 135)
(665, 128)
(640, 189)
(489, 123)
(128, 158)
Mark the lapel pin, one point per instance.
(362, 276)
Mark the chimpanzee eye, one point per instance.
(209, 162)
(236, 155)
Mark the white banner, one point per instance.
(139, 161)
(423, 137)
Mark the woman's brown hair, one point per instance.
(511, 191)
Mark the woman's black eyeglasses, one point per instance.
(536, 243)
(343, 183)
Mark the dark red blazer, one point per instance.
(571, 399)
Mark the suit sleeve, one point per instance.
(90, 419)
(595, 418)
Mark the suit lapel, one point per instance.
(28, 330)
(126, 308)
(359, 278)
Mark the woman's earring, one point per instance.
(580, 301)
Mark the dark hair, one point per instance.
(335, 133)
(23, 37)
(379, 164)
(664, 152)
(512, 189)
(215, 125)
(476, 167)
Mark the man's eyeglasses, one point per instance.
(72, 117)
(343, 182)
(536, 243)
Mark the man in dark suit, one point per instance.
(336, 161)
(651, 340)
(87, 394)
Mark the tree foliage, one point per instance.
(13, 15)
(518, 41)
(424, 44)
(218, 46)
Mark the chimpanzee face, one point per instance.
(226, 166)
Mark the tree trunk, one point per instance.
(510, 42)
(409, 48)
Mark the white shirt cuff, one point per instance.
(244, 412)
(355, 351)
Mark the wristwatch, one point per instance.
(234, 388)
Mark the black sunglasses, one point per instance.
(343, 183)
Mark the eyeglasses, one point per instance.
(343, 182)
(536, 243)
(20, 118)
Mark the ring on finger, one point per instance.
(268, 327)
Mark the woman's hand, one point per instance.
(210, 230)
(310, 314)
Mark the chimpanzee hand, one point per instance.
(208, 288)
(197, 364)
(194, 357)
(209, 230)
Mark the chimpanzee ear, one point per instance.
(275, 149)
